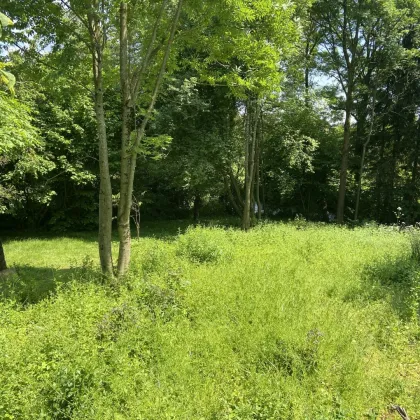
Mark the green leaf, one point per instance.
(8, 79)
(5, 21)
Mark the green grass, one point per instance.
(283, 322)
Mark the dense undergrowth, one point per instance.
(293, 321)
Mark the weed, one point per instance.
(198, 245)
(316, 323)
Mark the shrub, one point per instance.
(155, 259)
(204, 245)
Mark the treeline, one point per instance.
(265, 109)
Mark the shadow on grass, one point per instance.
(160, 229)
(30, 285)
(396, 281)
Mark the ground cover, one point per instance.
(288, 321)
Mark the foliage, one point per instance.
(20, 157)
(198, 246)
(223, 52)
(17, 132)
(6, 78)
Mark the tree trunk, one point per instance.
(307, 70)
(197, 206)
(257, 188)
(362, 160)
(257, 170)
(105, 191)
(379, 179)
(125, 202)
(413, 193)
(232, 200)
(3, 265)
(129, 159)
(246, 219)
(359, 183)
(344, 160)
(251, 126)
(390, 194)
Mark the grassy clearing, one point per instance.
(284, 322)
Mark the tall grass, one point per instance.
(283, 322)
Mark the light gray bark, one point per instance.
(125, 202)
(105, 191)
(130, 157)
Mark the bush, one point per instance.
(203, 245)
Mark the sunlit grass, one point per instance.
(284, 322)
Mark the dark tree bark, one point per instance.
(379, 179)
(237, 207)
(197, 207)
(362, 159)
(251, 126)
(344, 161)
(3, 265)
(258, 169)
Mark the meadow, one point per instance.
(287, 321)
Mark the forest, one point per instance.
(209, 209)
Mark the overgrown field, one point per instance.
(293, 321)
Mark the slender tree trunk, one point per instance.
(257, 170)
(307, 70)
(414, 174)
(125, 202)
(359, 183)
(246, 223)
(379, 179)
(257, 188)
(362, 160)
(105, 191)
(197, 206)
(344, 159)
(129, 160)
(414, 171)
(236, 187)
(232, 200)
(261, 171)
(3, 265)
(251, 126)
(390, 205)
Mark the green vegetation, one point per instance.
(180, 108)
(122, 111)
(287, 321)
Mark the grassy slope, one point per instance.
(284, 322)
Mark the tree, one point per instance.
(247, 45)
(91, 24)
(18, 137)
(349, 49)
(131, 83)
